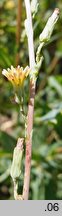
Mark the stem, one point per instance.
(29, 30)
(18, 31)
(29, 143)
(31, 103)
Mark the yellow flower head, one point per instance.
(16, 75)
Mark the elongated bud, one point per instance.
(17, 159)
(34, 6)
(47, 32)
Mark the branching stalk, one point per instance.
(29, 30)
(44, 37)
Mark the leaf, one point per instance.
(55, 84)
(50, 115)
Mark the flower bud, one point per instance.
(17, 159)
(47, 32)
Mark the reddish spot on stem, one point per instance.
(29, 160)
(27, 152)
